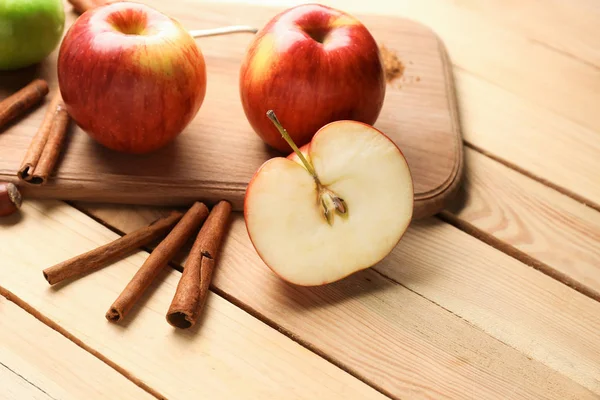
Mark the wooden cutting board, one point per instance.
(217, 154)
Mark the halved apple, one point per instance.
(340, 207)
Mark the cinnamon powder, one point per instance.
(392, 65)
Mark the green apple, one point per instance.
(29, 31)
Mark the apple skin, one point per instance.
(130, 76)
(29, 31)
(305, 150)
(308, 83)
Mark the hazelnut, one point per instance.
(10, 199)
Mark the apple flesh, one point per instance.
(29, 31)
(130, 76)
(285, 215)
(312, 65)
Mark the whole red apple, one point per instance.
(312, 65)
(130, 76)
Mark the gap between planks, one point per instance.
(253, 312)
(517, 254)
(564, 53)
(536, 178)
(509, 249)
(26, 381)
(286, 332)
(447, 310)
(50, 323)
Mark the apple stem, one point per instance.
(286, 136)
(223, 31)
(329, 201)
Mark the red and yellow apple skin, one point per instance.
(131, 77)
(308, 83)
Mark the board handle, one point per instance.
(226, 30)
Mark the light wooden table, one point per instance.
(496, 298)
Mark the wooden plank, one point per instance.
(538, 20)
(407, 332)
(16, 387)
(217, 154)
(38, 362)
(229, 354)
(518, 305)
(545, 144)
(554, 232)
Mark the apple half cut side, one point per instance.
(340, 210)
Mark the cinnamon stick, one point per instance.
(104, 255)
(45, 144)
(14, 106)
(194, 284)
(53, 147)
(81, 6)
(157, 260)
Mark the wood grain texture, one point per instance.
(16, 387)
(520, 306)
(372, 325)
(543, 143)
(578, 22)
(36, 362)
(218, 153)
(228, 354)
(559, 235)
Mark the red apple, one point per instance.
(312, 65)
(338, 206)
(130, 76)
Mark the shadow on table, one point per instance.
(44, 207)
(351, 289)
(381, 280)
(12, 81)
(11, 220)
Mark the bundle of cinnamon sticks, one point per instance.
(194, 284)
(45, 148)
